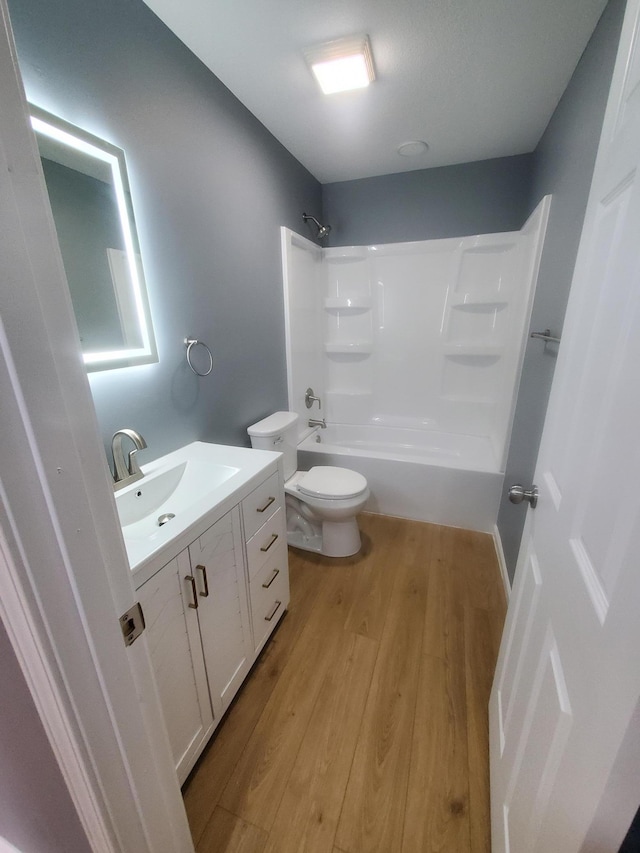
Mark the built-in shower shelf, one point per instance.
(489, 297)
(480, 306)
(349, 347)
(347, 303)
(469, 348)
(469, 399)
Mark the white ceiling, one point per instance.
(473, 78)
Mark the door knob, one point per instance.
(518, 493)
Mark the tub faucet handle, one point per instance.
(310, 399)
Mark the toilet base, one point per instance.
(297, 539)
(341, 538)
(338, 539)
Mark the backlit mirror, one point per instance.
(89, 193)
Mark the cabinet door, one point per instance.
(176, 654)
(217, 562)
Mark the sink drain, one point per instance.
(166, 517)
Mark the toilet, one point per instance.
(322, 503)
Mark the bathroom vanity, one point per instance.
(212, 580)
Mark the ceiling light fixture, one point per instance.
(342, 64)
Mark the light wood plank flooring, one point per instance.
(363, 725)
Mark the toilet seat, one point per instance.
(331, 483)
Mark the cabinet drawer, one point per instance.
(266, 541)
(261, 504)
(268, 587)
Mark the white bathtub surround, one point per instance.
(422, 343)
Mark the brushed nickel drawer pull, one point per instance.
(203, 569)
(274, 610)
(275, 574)
(274, 536)
(192, 581)
(270, 500)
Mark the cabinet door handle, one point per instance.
(274, 536)
(203, 569)
(274, 610)
(270, 500)
(275, 574)
(192, 581)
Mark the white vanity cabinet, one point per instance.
(210, 610)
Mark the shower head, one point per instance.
(323, 230)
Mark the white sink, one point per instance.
(178, 490)
(170, 491)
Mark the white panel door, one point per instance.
(568, 675)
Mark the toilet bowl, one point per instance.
(322, 503)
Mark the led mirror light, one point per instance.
(91, 158)
(342, 65)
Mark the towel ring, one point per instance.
(192, 342)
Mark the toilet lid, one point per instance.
(325, 481)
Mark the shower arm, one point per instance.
(307, 216)
(323, 230)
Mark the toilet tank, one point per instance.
(278, 431)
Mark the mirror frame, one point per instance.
(61, 131)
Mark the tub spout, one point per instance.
(313, 422)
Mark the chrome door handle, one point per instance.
(274, 575)
(270, 500)
(203, 569)
(192, 581)
(274, 536)
(518, 493)
(273, 611)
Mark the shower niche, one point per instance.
(425, 335)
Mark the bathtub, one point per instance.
(419, 474)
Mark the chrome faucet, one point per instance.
(129, 471)
(316, 423)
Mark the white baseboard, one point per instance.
(497, 541)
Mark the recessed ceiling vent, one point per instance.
(342, 64)
(414, 148)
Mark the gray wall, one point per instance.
(210, 188)
(36, 812)
(453, 201)
(563, 166)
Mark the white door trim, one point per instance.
(32, 658)
(61, 548)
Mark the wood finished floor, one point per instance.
(363, 725)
